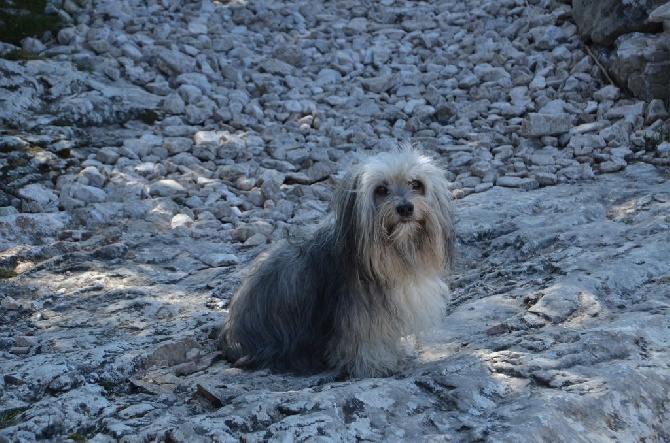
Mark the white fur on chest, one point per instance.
(421, 304)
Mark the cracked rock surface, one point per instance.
(157, 147)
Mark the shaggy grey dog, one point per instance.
(370, 275)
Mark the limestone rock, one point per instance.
(37, 198)
(604, 21)
(538, 125)
(640, 62)
(660, 14)
(30, 228)
(167, 187)
(183, 139)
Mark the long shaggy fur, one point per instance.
(370, 275)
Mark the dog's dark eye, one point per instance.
(417, 186)
(381, 191)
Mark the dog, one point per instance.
(370, 275)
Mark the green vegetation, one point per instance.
(25, 18)
(8, 417)
(651, 142)
(20, 54)
(148, 117)
(110, 386)
(7, 273)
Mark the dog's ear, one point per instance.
(440, 196)
(346, 208)
(449, 246)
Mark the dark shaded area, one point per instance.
(25, 18)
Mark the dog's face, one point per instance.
(400, 205)
(400, 199)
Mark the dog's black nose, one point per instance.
(405, 209)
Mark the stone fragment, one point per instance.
(131, 51)
(94, 214)
(503, 152)
(33, 45)
(166, 188)
(8, 210)
(85, 193)
(218, 260)
(356, 26)
(93, 177)
(197, 80)
(25, 341)
(546, 178)
(577, 172)
(174, 353)
(189, 93)
(553, 107)
(538, 125)
(557, 303)
(379, 84)
(663, 149)
(174, 104)
(290, 54)
(327, 76)
(37, 198)
(590, 127)
(621, 152)
(181, 220)
(607, 93)
(271, 186)
(9, 304)
(627, 112)
(175, 145)
(66, 36)
(613, 165)
(660, 14)
(470, 182)
(111, 252)
(541, 159)
(526, 184)
(256, 240)
(136, 411)
(276, 67)
(488, 73)
(142, 146)
(655, 111)
(483, 187)
(107, 155)
(485, 170)
(585, 144)
(175, 62)
(549, 37)
(243, 232)
(65, 382)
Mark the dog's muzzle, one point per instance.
(405, 210)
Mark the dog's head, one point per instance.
(401, 200)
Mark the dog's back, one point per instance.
(282, 317)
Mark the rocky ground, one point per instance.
(154, 148)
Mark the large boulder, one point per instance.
(33, 88)
(641, 63)
(628, 39)
(602, 21)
